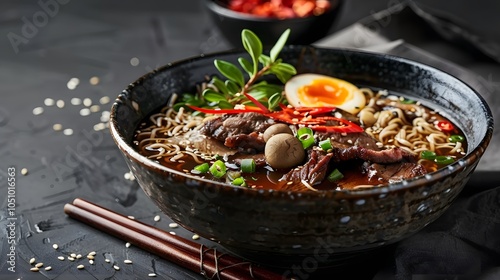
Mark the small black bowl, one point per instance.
(305, 30)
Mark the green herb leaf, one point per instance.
(230, 71)
(212, 96)
(223, 104)
(232, 87)
(276, 49)
(219, 84)
(274, 100)
(253, 46)
(246, 65)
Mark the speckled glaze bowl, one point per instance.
(282, 228)
(305, 30)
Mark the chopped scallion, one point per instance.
(202, 168)
(325, 144)
(218, 169)
(429, 155)
(335, 176)
(248, 165)
(443, 160)
(306, 137)
(456, 138)
(239, 181)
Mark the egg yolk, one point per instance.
(322, 92)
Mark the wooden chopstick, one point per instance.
(186, 253)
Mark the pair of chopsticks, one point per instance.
(186, 253)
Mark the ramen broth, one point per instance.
(354, 176)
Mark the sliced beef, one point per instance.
(242, 131)
(260, 159)
(249, 142)
(393, 155)
(392, 173)
(313, 171)
(346, 140)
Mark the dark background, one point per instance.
(85, 39)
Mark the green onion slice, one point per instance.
(218, 169)
(456, 138)
(326, 144)
(443, 160)
(335, 176)
(248, 165)
(239, 181)
(306, 137)
(202, 168)
(430, 155)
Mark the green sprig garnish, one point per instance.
(225, 94)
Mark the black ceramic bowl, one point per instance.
(279, 227)
(305, 30)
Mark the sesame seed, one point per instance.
(61, 258)
(91, 261)
(71, 259)
(55, 246)
(37, 111)
(79, 256)
(157, 218)
(68, 131)
(93, 253)
(152, 275)
(116, 267)
(87, 102)
(107, 260)
(24, 171)
(173, 233)
(90, 257)
(195, 237)
(99, 126)
(49, 102)
(80, 266)
(134, 61)
(127, 261)
(94, 80)
(48, 268)
(39, 265)
(173, 225)
(95, 108)
(60, 103)
(57, 127)
(76, 101)
(32, 260)
(34, 269)
(104, 100)
(84, 112)
(135, 105)
(73, 83)
(131, 217)
(127, 244)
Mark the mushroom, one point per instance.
(276, 129)
(284, 151)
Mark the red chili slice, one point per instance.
(308, 116)
(445, 126)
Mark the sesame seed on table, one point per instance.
(63, 65)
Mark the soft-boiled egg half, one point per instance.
(315, 90)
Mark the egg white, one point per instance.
(353, 103)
